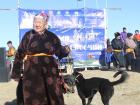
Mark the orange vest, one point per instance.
(11, 52)
(137, 37)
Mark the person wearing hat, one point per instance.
(123, 34)
(136, 38)
(118, 52)
(41, 77)
(130, 45)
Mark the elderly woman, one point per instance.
(41, 79)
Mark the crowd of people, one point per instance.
(123, 50)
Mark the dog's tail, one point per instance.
(123, 78)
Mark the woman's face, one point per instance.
(39, 24)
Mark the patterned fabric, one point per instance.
(41, 81)
(130, 43)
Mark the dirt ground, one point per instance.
(127, 93)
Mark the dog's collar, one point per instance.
(77, 77)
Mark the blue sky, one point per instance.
(126, 14)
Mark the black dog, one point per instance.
(67, 78)
(87, 88)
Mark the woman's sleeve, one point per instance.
(18, 61)
(60, 51)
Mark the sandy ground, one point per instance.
(127, 93)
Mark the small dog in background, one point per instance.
(87, 88)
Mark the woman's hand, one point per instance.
(67, 88)
(67, 49)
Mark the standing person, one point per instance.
(123, 34)
(11, 51)
(10, 55)
(118, 51)
(130, 45)
(136, 37)
(41, 79)
(109, 53)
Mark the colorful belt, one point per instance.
(129, 50)
(117, 50)
(36, 55)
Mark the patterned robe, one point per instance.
(41, 81)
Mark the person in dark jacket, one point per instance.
(118, 51)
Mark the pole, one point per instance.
(97, 6)
(18, 4)
(84, 4)
(84, 8)
(106, 11)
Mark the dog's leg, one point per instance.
(83, 98)
(83, 101)
(105, 99)
(91, 97)
(89, 100)
(106, 93)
